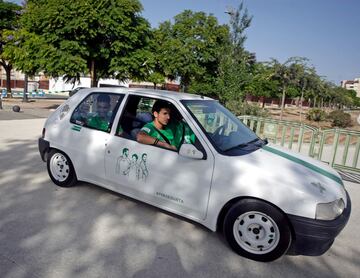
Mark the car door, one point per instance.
(88, 135)
(160, 176)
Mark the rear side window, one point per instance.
(97, 111)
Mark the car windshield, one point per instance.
(224, 130)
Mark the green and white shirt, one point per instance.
(98, 123)
(176, 133)
(152, 131)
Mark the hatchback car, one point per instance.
(266, 200)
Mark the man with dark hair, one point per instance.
(157, 132)
(101, 119)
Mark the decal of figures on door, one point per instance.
(132, 168)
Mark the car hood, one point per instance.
(312, 176)
(280, 176)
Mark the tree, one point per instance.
(286, 75)
(191, 47)
(72, 38)
(17, 50)
(343, 97)
(155, 68)
(236, 64)
(240, 20)
(9, 13)
(314, 85)
(262, 85)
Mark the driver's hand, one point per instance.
(171, 147)
(166, 145)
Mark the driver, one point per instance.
(157, 132)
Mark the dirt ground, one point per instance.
(293, 114)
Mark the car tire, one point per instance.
(61, 169)
(257, 230)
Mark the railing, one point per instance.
(337, 147)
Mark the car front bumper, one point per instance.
(44, 147)
(314, 237)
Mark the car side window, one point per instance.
(97, 111)
(135, 115)
(138, 115)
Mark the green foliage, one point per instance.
(191, 47)
(316, 114)
(340, 119)
(262, 85)
(236, 64)
(240, 20)
(287, 74)
(104, 38)
(9, 13)
(243, 108)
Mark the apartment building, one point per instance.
(352, 85)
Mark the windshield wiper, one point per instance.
(243, 144)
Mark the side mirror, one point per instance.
(189, 151)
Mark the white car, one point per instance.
(267, 201)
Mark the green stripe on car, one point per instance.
(76, 128)
(304, 163)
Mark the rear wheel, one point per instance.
(257, 230)
(60, 169)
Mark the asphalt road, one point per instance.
(87, 231)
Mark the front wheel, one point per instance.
(257, 230)
(60, 169)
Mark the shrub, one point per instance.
(243, 108)
(316, 114)
(340, 118)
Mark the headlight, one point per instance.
(329, 211)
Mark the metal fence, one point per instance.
(337, 147)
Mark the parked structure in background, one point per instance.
(352, 85)
(41, 82)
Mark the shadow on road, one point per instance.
(87, 231)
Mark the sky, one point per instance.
(324, 31)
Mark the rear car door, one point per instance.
(90, 127)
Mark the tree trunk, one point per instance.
(93, 76)
(8, 68)
(282, 103)
(25, 97)
(185, 83)
(301, 104)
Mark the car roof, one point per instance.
(148, 92)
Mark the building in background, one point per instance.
(352, 85)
